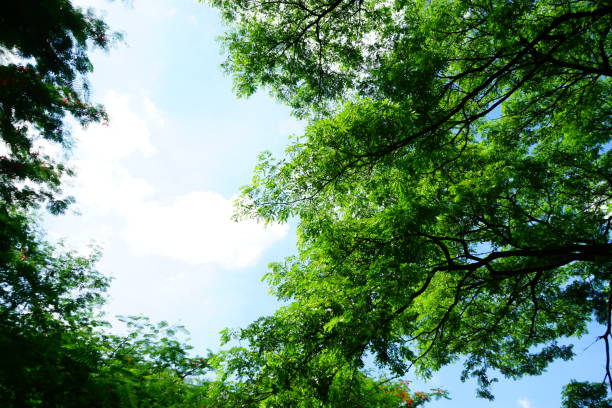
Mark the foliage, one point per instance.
(452, 189)
(46, 295)
(269, 369)
(43, 62)
(418, 398)
(46, 302)
(56, 350)
(58, 354)
(150, 367)
(334, 384)
(586, 395)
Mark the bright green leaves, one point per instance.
(318, 55)
(150, 366)
(452, 188)
(346, 147)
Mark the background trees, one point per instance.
(55, 349)
(43, 55)
(47, 295)
(452, 188)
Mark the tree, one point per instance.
(55, 351)
(452, 189)
(46, 294)
(276, 368)
(585, 395)
(58, 353)
(43, 63)
(47, 297)
(149, 367)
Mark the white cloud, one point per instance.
(194, 227)
(127, 133)
(197, 228)
(103, 184)
(524, 403)
(105, 187)
(152, 111)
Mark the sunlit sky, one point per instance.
(154, 190)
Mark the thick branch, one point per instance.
(562, 256)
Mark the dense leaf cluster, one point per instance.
(56, 351)
(452, 189)
(43, 60)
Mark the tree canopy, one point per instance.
(55, 349)
(57, 352)
(43, 63)
(452, 188)
(451, 193)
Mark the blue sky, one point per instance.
(154, 189)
